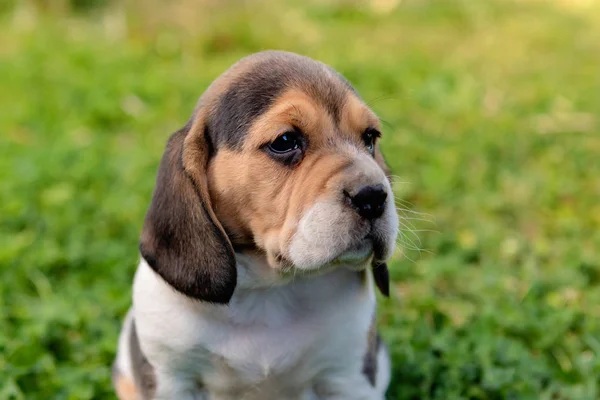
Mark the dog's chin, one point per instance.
(357, 257)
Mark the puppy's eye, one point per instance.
(285, 143)
(288, 148)
(369, 136)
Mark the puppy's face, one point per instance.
(305, 182)
(282, 157)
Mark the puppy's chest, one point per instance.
(262, 361)
(279, 342)
(264, 340)
(276, 340)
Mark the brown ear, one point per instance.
(182, 240)
(381, 274)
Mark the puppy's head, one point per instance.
(280, 157)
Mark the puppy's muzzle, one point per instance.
(369, 201)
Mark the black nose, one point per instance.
(370, 201)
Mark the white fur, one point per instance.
(285, 335)
(123, 361)
(304, 340)
(384, 370)
(329, 231)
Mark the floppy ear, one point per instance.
(182, 240)
(381, 274)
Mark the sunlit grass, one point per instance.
(491, 129)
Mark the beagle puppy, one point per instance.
(270, 225)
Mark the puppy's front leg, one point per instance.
(170, 387)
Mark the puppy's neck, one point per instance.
(255, 273)
(264, 297)
(256, 304)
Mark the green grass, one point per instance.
(492, 127)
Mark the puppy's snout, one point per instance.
(369, 201)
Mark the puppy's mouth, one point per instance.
(361, 253)
(357, 255)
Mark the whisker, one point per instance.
(408, 258)
(405, 247)
(405, 202)
(413, 245)
(371, 103)
(413, 212)
(417, 219)
(425, 230)
(406, 222)
(397, 179)
(420, 251)
(389, 125)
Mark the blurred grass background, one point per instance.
(492, 127)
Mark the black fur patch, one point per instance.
(381, 276)
(251, 94)
(370, 359)
(180, 241)
(143, 372)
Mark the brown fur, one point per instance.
(125, 388)
(218, 190)
(182, 240)
(187, 240)
(261, 202)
